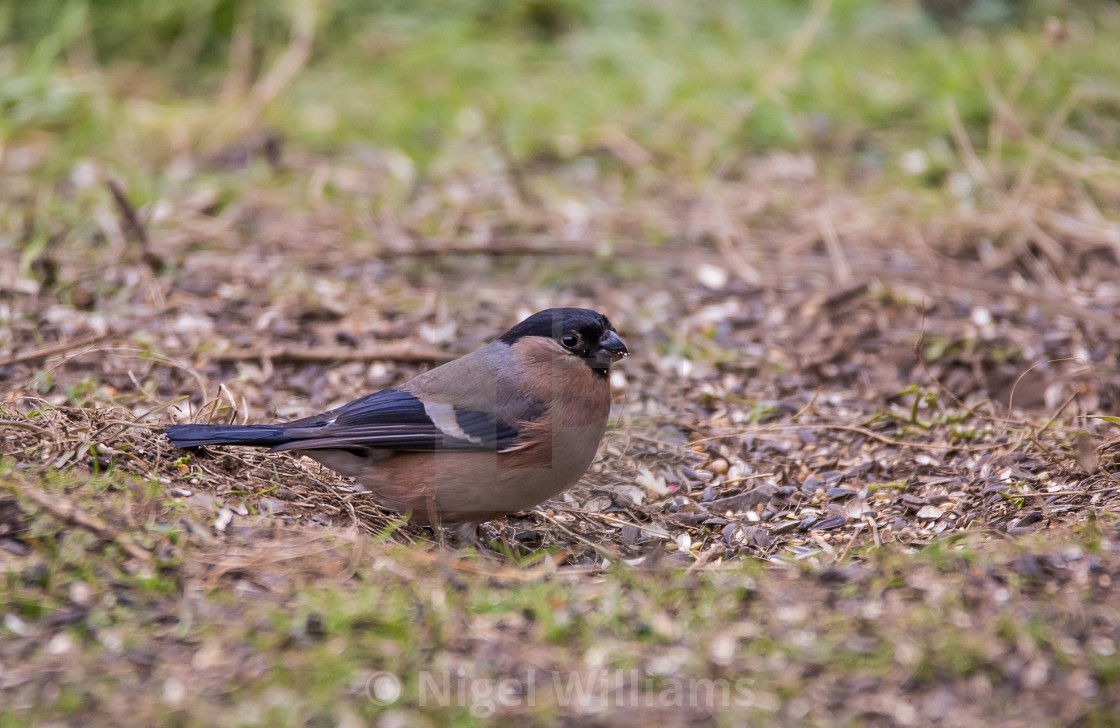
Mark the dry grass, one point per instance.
(857, 457)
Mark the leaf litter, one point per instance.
(791, 410)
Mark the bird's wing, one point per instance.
(395, 420)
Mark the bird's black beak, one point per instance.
(611, 348)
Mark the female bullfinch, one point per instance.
(492, 433)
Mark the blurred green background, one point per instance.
(685, 80)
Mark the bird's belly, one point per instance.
(476, 486)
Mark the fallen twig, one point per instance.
(852, 428)
(406, 353)
(49, 351)
(594, 546)
(704, 558)
(439, 558)
(279, 76)
(847, 547)
(68, 512)
(133, 224)
(951, 278)
(26, 426)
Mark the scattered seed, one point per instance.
(830, 523)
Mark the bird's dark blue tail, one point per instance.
(249, 435)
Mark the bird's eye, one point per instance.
(570, 340)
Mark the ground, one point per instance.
(859, 466)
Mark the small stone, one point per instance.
(174, 692)
(930, 513)
(711, 276)
(14, 624)
(722, 648)
(60, 644)
(271, 505)
(224, 517)
(81, 593)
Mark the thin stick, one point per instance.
(874, 531)
(279, 76)
(842, 270)
(847, 547)
(964, 147)
(405, 353)
(1038, 152)
(128, 212)
(950, 278)
(852, 428)
(640, 527)
(26, 426)
(778, 75)
(736, 260)
(49, 351)
(1057, 414)
(67, 512)
(1047, 494)
(1036, 365)
(438, 558)
(703, 559)
(597, 548)
(133, 225)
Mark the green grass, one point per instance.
(184, 642)
(426, 92)
(424, 78)
(431, 93)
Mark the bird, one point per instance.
(495, 432)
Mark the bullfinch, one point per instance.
(492, 433)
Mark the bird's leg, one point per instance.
(434, 519)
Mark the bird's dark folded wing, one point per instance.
(396, 420)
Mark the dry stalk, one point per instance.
(400, 353)
(842, 270)
(68, 512)
(279, 77)
(46, 352)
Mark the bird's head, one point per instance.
(579, 332)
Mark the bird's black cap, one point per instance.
(582, 332)
(553, 323)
